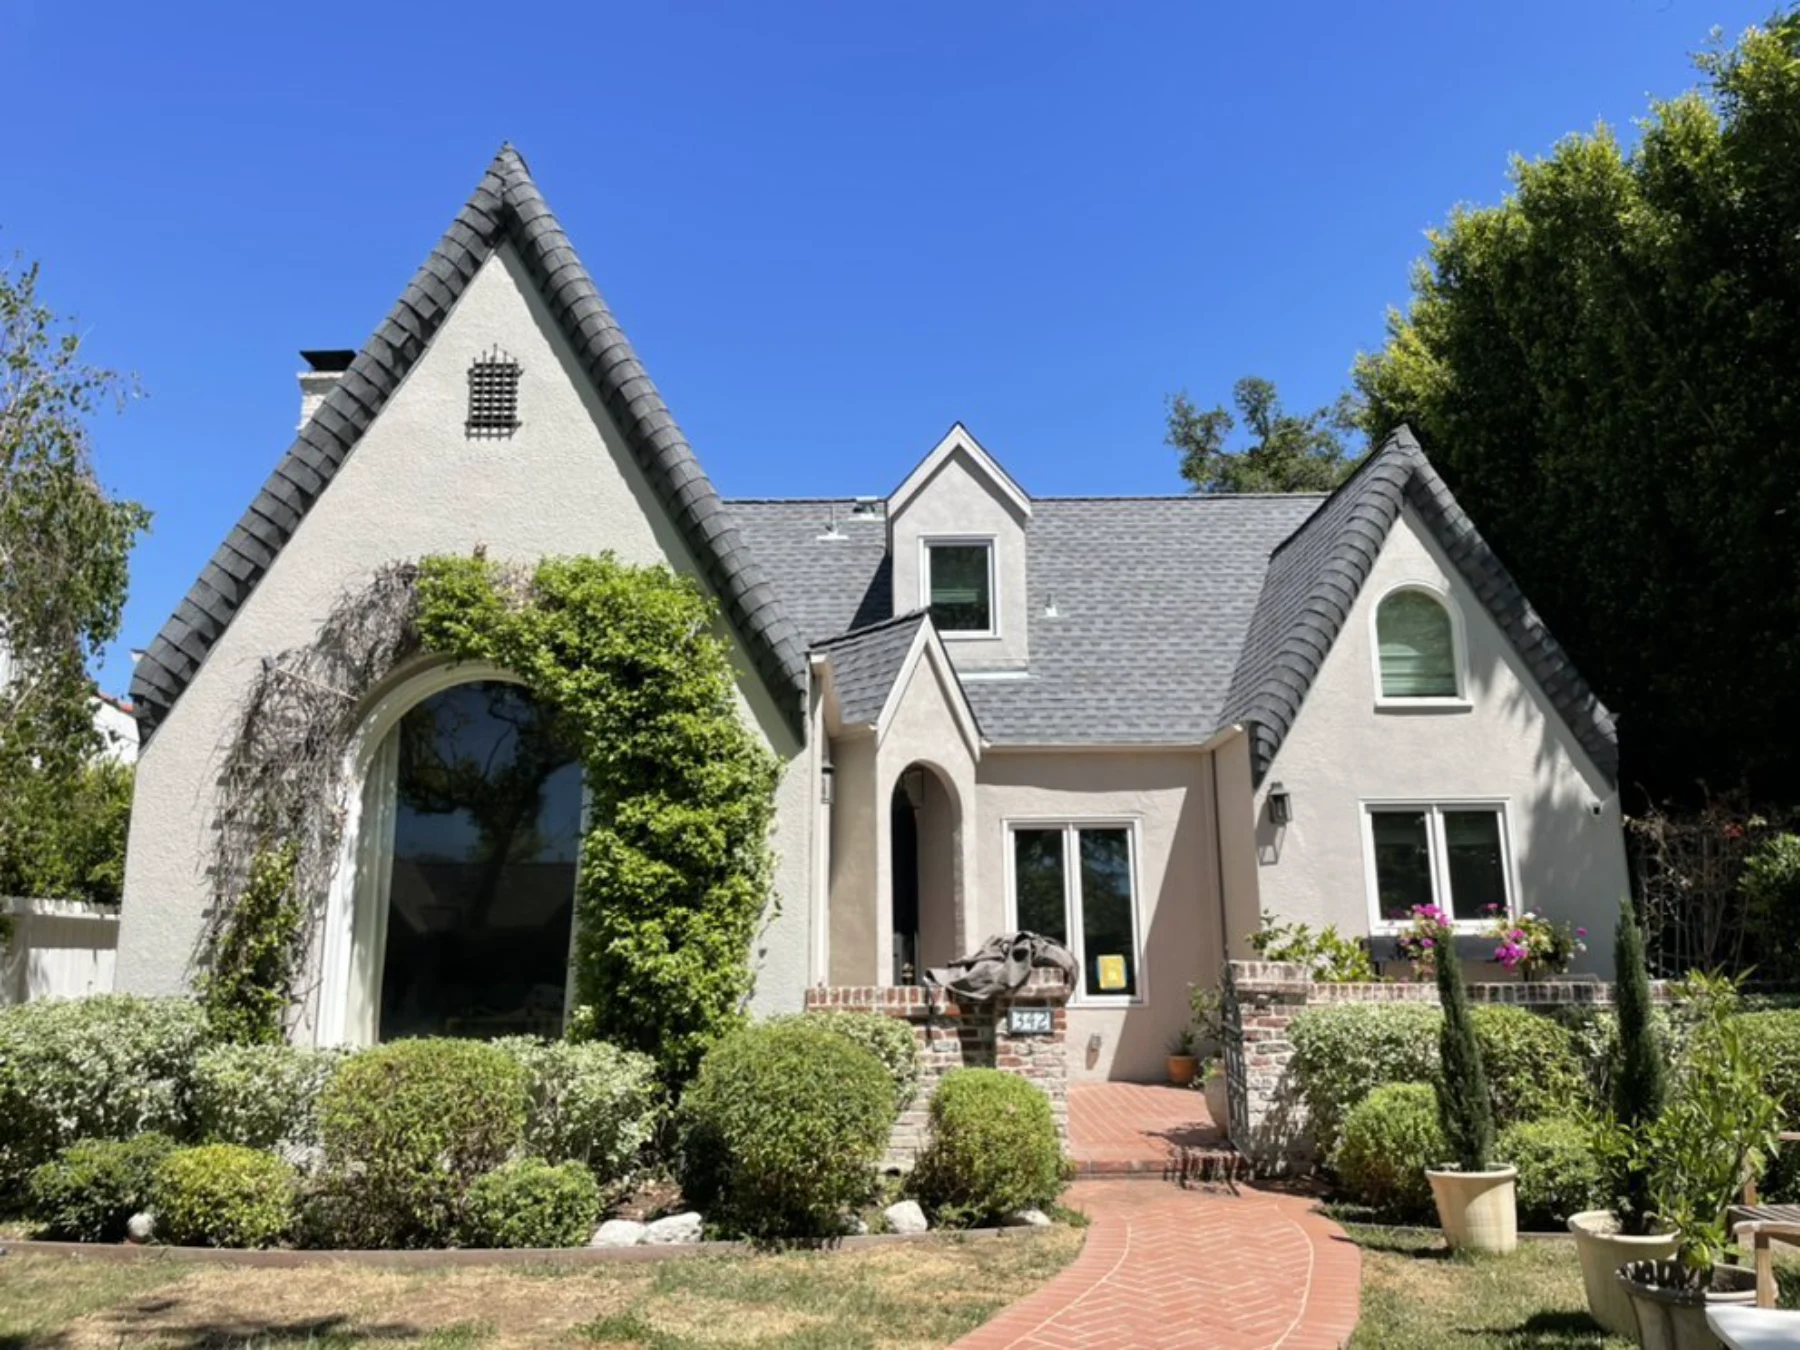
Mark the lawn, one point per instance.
(1417, 1296)
(912, 1295)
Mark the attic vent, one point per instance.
(493, 395)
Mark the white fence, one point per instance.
(58, 949)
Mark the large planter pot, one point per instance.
(1218, 1103)
(1603, 1249)
(1670, 1317)
(1182, 1069)
(1478, 1211)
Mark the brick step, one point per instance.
(1222, 1163)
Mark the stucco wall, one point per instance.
(1168, 795)
(414, 485)
(851, 959)
(1563, 817)
(958, 502)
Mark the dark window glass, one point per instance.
(961, 601)
(1402, 862)
(486, 834)
(1107, 940)
(1038, 882)
(1477, 871)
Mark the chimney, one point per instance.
(324, 370)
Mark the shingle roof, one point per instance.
(1313, 580)
(865, 664)
(830, 569)
(506, 207)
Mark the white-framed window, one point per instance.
(1456, 855)
(1418, 646)
(1076, 881)
(956, 579)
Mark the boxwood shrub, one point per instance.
(993, 1149)
(1558, 1172)
(406, 1128)
(1532, 1066)
(260, 1096)
(781, 1129)
(531, 1203)
(590, 1102)
(222, 1195)
(88, 1191)
(1772, 1040)
(107, 1067)
(889, 1039)
(1388, 1140)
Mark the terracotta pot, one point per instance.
(1603, 1249)
(1218, 1103)
(1478, 1211)
(1182, 1069)
(1672, 1317)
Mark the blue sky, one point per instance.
(830, 229)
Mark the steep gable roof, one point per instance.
(1313, 579)
(866, 662)
(506, 208)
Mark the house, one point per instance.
(1131, 723)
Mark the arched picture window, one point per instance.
(1417, 644)
(481, 874)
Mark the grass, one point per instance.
(1418, 1296)
(878, 1298)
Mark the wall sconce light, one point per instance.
(1281, 805)
(827, 778)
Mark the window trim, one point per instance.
(1069, 826)
(1434, 808)
(927, 542)
(1459, 654)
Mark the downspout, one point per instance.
(1212, 759)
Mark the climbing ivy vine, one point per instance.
(676, 861)
(250, 983)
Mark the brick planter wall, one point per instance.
(1262, 998)
(955, 1035)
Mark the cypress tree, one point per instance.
(1641, 1083)
(1464, 1109)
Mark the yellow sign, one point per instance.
(1111, 971)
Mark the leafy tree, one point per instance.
(64, 546)
(1288, 452)
(1602, 366)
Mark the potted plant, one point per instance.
(1533, 945)
(1717, 1128)
(1207, 1007)
(1606, 1239)
(1476, 1203)
(1183, 1062)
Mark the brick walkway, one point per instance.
(1164, 1266)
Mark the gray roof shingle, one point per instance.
(506, 207)
(1313, 580)
(865, 664)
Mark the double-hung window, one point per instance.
(959, 585)
(1077, 883)
(1453, 855)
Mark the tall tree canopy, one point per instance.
(1288, 452)
(1606, 368)
(64, 548)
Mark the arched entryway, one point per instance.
(925, 826)
(458, 914)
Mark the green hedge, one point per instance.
(92, 1187)
(222, 1195)
(590, 1103)
(1558, 1172)
(889, 1039)
(993, 1149)
(782, 1128)
(1388, 1140)
(108, 1067)
(1772, 1041)
(260, 1096)
(531, 1203)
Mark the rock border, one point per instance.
(451, 1258)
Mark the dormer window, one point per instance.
(958, 583)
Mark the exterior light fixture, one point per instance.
(1281, 806)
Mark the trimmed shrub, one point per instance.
(221, 1195)
(993, 1149)
(1532, 1066)
(531, 1203)
(781, 1129)
(1389, 1139)
(591, 1103)
(260, 1096)
(108, 1067)
(406, 1128)
(1772, 1041)
(92, 1187)
(889, 1039)
(1558, 1172)
(1640, 1084)
(1344, 1051)
(1465, 1109)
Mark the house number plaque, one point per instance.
(1028, 1021)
